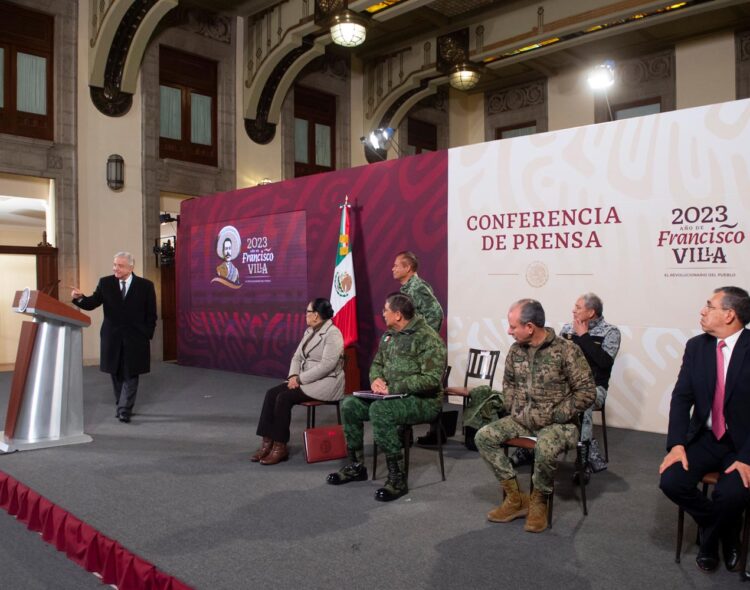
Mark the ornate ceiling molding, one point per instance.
(262, 128)
(122, 36)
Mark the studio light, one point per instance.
(347, 29)
(602, 76)
(380, 140)
(115, 172)
(464, 77)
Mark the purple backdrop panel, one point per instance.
(396, 205)
(254, 261)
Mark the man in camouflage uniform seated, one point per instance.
(547, 382)
(410, 360)
(425, 303)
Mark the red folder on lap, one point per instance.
(324, 443)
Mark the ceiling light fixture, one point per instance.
(464, 76)
(348, 29)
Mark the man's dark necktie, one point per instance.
(122, 289)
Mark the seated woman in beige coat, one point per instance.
(316, 373)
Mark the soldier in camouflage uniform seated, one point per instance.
(547, 382)
(410, 360)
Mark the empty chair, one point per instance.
(481, 366)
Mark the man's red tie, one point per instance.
(718, 424)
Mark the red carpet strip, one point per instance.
(82, 543)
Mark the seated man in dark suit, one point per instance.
(714, 382)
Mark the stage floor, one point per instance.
(177, 488)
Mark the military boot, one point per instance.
(515, 505)
(395, 486)
(355, 470)
(536, 521)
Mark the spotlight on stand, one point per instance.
(165, 218)
(377, 143)
(348, 29)
(602, 76)
(379, 139)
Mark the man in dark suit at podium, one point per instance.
(714, 382)
(129, 322)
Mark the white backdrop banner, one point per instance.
(650, 213)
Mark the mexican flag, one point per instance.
(344, 290)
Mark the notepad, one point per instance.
(373, 395)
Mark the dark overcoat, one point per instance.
(128, 324)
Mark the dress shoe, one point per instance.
(707, 562)
(264, 449)
(731, 554)
(278, 453)
(124, 418)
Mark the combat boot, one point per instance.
(355, 470)
(536, 521)
(395, 486)
(515, 505)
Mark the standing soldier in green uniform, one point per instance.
(547, 382)
(410, 360)
(405, 272)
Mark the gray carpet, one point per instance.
(176, 487)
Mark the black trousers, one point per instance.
(125, 387)
(719, 515)
(276, 414)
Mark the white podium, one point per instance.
(45, 408)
